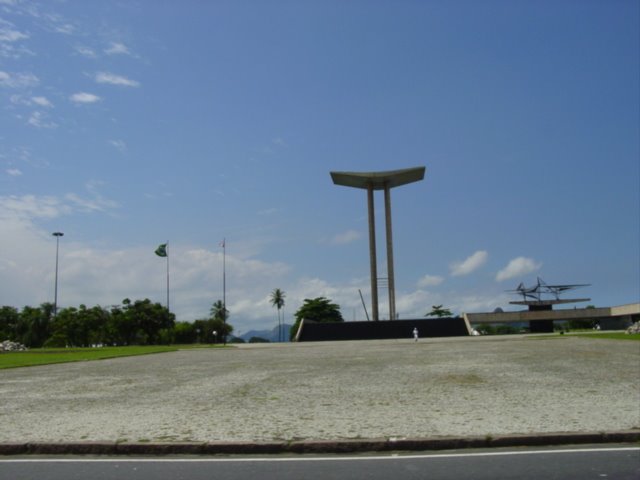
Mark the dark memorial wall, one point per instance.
(541, 326)
(384, 329)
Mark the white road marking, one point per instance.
(394, 456)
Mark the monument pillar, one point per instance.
(390, 274)
(372, 181)
(373, 260)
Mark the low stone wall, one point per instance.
(382, 330)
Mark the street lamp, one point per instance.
(55, 295)
(215, 335)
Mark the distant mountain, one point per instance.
(271, 335)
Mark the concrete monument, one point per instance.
(371, 181)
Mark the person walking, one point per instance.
(415, 334)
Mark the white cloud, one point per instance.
(83, 204)
(23, 262)
(31, 207)
(415, 304)
(345, 237)
(468, 303)
(119, 144)
(26, 276)
(112, 79)
(268, 211)
(20, 155)
(65, 28)
(42, 101)
(470, 264)
(22, 100)
(117, 48)
(344, 294)
(18, 80)
(95, 202)
(430, 281)
(85, 51)
(14, 172)
(11, 45)
(103, 276)
(8, 34)
(83, 97)
(517, 267)
(8, 50)
(39, 120)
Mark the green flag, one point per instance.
(161, 251)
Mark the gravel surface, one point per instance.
(329, 391)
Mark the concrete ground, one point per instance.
(472, 386)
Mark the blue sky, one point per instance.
(129, 124)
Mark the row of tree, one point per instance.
(140, 322)
(133, 323)
(144, 323)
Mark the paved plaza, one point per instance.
(331, 391)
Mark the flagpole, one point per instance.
(224, 290)
(162, 251)
(168, 309)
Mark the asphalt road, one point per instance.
(613, 463)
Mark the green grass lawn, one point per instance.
(610, 335)
(589, 334)
(45, 356)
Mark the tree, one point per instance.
(205, 327)
(65, 329)
(154, 320)
(97, 319)
(119, 329)
(34, 327)
(439, 312)
(79, 327)
(218, 311)
(145, 322)
(184, 332)
(277, 300)
(218, 323)
(318, 309)
(9, 318)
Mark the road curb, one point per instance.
(316, 446)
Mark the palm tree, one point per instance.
(219, 312)
(277, 300)
(438, 311)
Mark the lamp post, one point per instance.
(55, 294)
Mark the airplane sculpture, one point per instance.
(533, 296)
